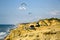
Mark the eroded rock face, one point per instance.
(47, 29)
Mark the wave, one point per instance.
(4, 30)
(2, 35)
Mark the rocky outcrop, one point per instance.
(49, 22)
(46, 29)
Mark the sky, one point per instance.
(22, 11)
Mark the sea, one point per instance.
(5, 29)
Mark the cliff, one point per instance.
(45, 29)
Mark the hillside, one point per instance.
(45, 29)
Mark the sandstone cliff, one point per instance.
(45, 29)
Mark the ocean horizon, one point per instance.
(4, 30)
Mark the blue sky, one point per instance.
(12, 12)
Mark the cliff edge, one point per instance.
(45, 29)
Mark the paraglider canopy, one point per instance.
(23, 6)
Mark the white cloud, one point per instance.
(22, 8)
(55, 12)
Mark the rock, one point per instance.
(46, 29)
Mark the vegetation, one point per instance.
(46, 29)
(53, 19)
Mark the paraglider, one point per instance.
(29, 13)
(23, 6)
